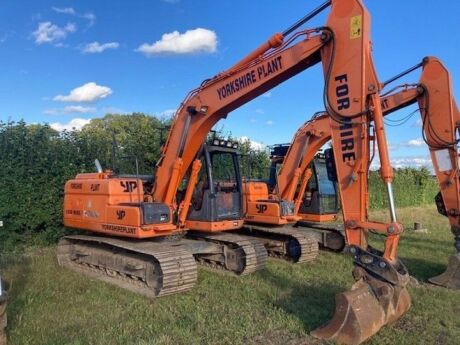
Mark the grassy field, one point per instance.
(50, 305)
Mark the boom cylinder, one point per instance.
(273, 42)
(386, 171)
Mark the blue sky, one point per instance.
(105, 51)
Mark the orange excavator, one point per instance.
(140, 220)
(440, 131)
(300, 162)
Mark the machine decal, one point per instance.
(128, 186)
(251, 77)
(73, 212)
(76, 185)
(356, 25)
(119, 228)
(347, 141)
(95, 187)
(443, 160)
(342, 91)
(261, 208)
(121, 214)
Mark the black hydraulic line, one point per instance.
(307, 17)
(407, 71)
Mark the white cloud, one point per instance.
(71, 11)
(96, 47)
(78, 109)
(260, 111)
(255, 145)
(90, 17)
(418, 123)
(253, 120)
(48, 32)
(406, 162)
(4, 36)
(69, 110)
(74, 124)
(192, 41)
(269, 122)
(66, 10)
(89, 92)
(416, 142)
(50, 111)
(419, 142)
(267, 94)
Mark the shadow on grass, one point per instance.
(313, 304)
(423, 269)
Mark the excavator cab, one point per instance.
(217, 199)
(320, 202)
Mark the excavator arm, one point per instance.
(314, 134)
(440, 118)
(344, 42)
(440, 124)
(440, 130)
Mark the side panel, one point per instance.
(111, 206)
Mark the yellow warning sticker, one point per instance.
(356, 26)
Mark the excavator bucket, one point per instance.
(362, 311)
(451, 277)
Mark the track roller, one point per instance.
(284, 242)
(237, 254)
(143, 267)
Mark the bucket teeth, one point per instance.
(451, 276)
(362, 311)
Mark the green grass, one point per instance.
(51, 305)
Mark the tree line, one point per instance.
(36, 161)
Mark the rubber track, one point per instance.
(308, 243)
(254, 251)
(178, 267)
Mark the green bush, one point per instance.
(411, 187)
(36, 161)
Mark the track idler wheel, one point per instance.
(451, 277)
(362, 311)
